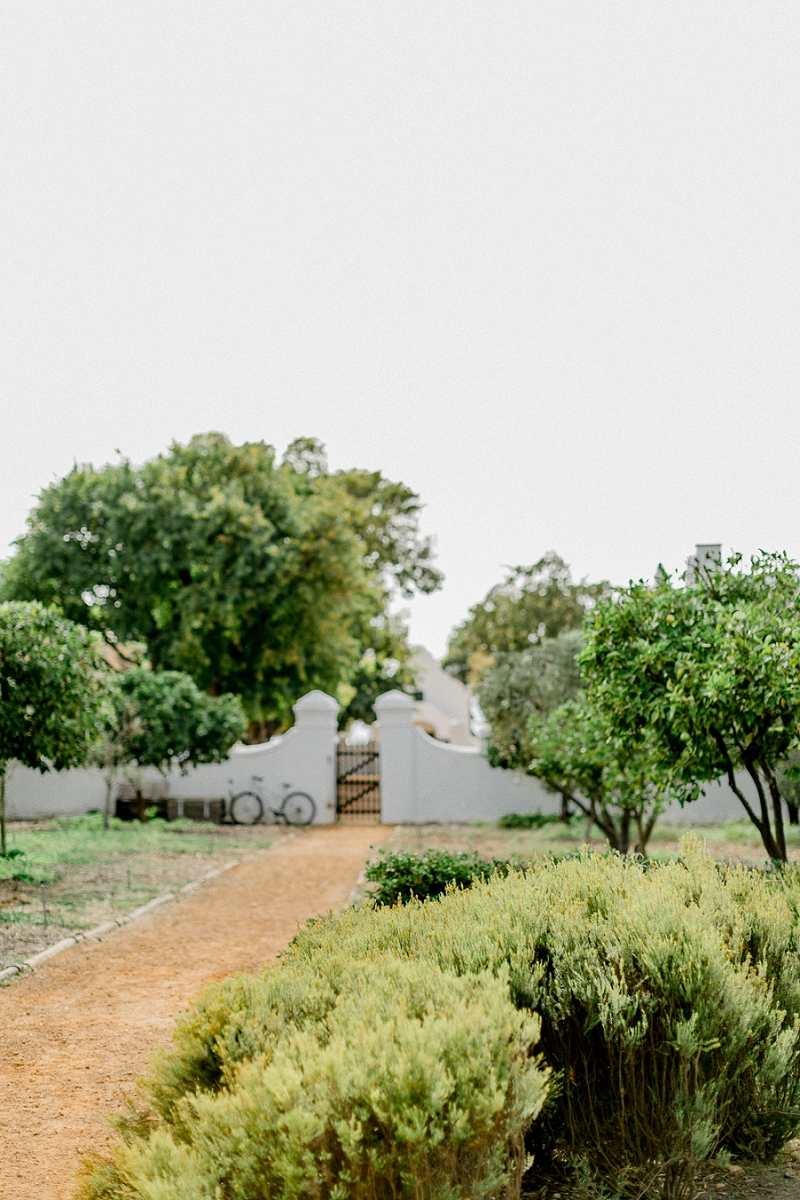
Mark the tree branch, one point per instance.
(732, 784)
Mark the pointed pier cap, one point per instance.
(395, 708)
(316, 710)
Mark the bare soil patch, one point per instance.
(75, 1034)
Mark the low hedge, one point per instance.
(400, 876)
(391, 1053)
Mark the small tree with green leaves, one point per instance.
(708, 674)
(51, 692)
(527, 683)
(161, 719)
(612, 782)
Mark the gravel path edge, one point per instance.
(101, 931)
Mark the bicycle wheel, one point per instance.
(246, 809)
(298, 809)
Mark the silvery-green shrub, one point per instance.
(669, 999)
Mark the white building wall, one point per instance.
(32, 794)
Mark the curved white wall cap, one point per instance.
(395, 710)
(316, 708)
(393, 700)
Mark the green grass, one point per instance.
(42, 851)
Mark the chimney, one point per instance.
(706, 558)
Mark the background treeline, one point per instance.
(256, 577)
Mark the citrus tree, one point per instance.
(708, 675)
(52, 692)
(161, 719)
(612, 782)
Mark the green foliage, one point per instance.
(384, 515)
(171, 722)
(524, 684)
(51, 688)
(400, 1080)
(614, 783)
(530, 604)
(535, 820)
(669, 1000)
(208, 555)
(709, 676)
(51, 692)
(400, 876)
(257, 579)
(161, 719)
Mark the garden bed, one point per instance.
(736, 841)
(92, 875)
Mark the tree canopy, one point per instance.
(52, 692)
(530, 604)
(256, 578)
(611, 781)
(526, 683)
(709, 673)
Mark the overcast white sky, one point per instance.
(538, 260)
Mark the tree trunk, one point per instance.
(644, 828)
(3, 809)
(565, 813)
(763, 825)
(107, 809)
(794, 813)
(624, 834)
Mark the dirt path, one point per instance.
(77, 1031)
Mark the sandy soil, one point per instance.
(75, 1034)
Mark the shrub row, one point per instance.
(391, 1053)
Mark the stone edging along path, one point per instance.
(101, 931)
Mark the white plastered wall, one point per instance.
(302, 759)
(423, 779)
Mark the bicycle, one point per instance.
(247, 808)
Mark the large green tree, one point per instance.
(52, 692)
(530, 604)
(709, 674)
(256, 578)
(398, 562)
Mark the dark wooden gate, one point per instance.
(358, 792)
